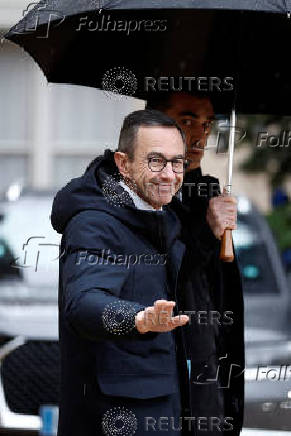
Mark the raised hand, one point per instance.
(159, 318)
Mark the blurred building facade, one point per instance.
(48, 132)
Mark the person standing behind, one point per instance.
(216, 346)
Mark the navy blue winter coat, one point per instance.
(101, 289)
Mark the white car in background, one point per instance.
(29, 352)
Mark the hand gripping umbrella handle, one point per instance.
(226, 251)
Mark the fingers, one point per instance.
(222, 214)
(230, 223)
(160, 318)
(225, 194)
(225, 199)
(164, 312)
(229, 208)
(226, 223)
(164, 304)
(179, 320)
(223, 203)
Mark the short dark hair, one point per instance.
(162, 100)
(146, 117)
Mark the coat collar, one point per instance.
(138, 201)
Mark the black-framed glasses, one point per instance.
(158, 163)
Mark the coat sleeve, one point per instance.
(91, 300)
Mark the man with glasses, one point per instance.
(123, 359)
(213, 347)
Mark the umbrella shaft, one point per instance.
(231, 151)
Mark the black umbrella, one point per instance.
(136, 47)
(236, 50)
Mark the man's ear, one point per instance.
(121, 161)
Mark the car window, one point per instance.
(256, 267)
(29, 249)
(7, 271)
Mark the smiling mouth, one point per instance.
(165, 188)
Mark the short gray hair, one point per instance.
(146, 117)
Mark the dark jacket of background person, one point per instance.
(94, 213)
(214, 288)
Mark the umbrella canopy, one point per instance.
(139, 47)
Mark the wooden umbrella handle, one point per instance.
(226, 251)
